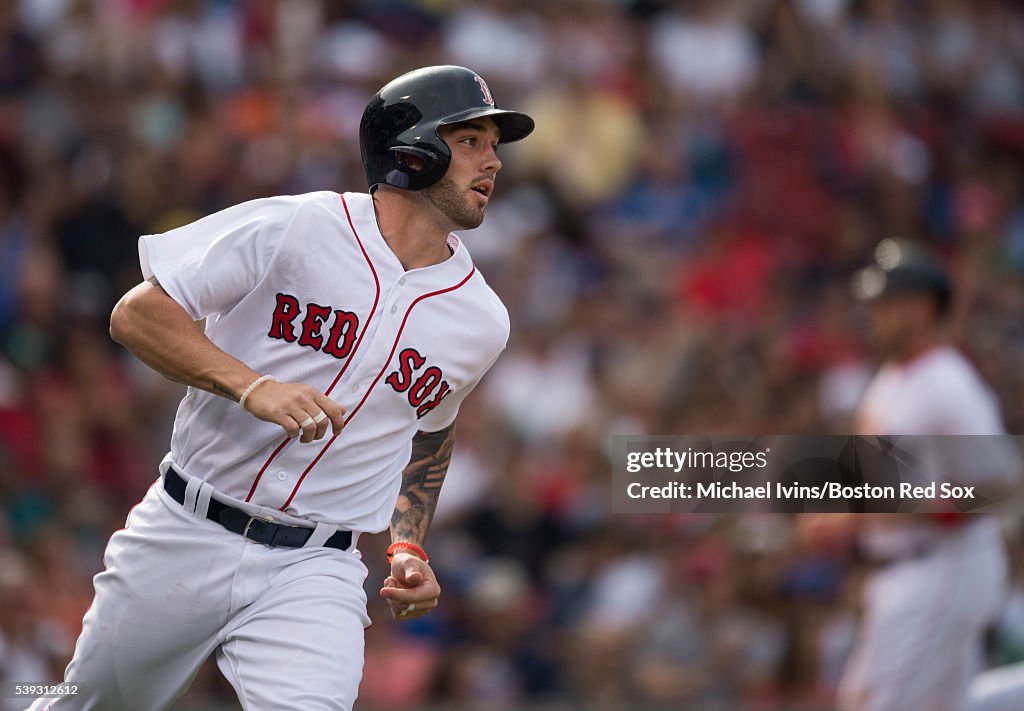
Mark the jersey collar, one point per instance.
(364, 221)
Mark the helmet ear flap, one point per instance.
(413, 160)
(415, 167)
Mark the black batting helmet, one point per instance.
(403, 119)
(903, 267)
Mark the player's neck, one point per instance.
(918, 347)
(410, 231)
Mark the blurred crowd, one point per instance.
(673, 243)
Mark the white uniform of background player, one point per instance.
(941, 580)
(309, 289)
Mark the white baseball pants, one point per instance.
(286, 623)
(920, 640)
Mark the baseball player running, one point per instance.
(938, 578)
(342, 333)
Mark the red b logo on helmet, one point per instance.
(485, 91)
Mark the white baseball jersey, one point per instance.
(938, 393)
(305, 288)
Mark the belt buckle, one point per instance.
(245, 531)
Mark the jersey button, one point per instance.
(401, 282)
(355, 388)
(282, 476)
(394, 309)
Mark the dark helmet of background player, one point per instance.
(903, 267)
(403, 118)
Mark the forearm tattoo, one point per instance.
(225, 392)
(421, 484)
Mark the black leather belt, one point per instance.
(254, 528)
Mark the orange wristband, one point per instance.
(412, 547)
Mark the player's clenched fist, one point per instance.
(297, 408)
(411, 590)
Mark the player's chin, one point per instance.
(472, 217)
(471, 224)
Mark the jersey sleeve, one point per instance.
(208, 266)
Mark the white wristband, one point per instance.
(252, 386)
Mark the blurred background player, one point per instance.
(939, 578)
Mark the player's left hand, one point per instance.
(411, 582)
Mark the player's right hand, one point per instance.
(293, 406)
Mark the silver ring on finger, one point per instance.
(306, 422)
(320, 417)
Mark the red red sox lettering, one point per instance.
(429, 382)
(338, 340)
(425, 390)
